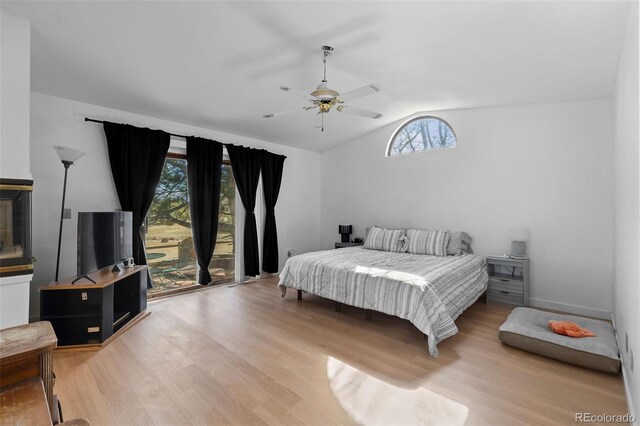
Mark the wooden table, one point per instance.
(24, 404)
(25, 353)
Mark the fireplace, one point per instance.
(15, 227)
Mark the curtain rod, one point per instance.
(172, 134)
(102, 122)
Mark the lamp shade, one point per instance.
(345, 229)
(69, 155)
(518, 233)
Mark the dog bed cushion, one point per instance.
(528, 329)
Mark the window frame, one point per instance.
(181, 156)
(411, 120)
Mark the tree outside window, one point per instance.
(422, 134)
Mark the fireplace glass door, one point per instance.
(15, 227)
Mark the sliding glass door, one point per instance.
(169, 241)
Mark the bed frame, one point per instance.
(338, 307)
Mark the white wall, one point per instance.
(627, 210)
(15, 72)
(545, 166)
(57, 121)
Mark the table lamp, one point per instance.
(519, 237)
(345, 231)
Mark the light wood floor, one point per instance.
(244, 355)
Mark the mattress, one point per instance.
(429, 291)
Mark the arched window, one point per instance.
(421, 134)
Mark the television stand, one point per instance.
(92, 314)
(85, 277)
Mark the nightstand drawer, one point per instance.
(503, 284)
(505, 297)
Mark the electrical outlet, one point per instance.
(289, 252)
(67, 213)
(626, 342)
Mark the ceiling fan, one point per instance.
(324, 99)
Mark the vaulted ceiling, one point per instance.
(219, 64)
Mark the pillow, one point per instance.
(569, 328)
(459, 243)
(385, 239)
(428, 242)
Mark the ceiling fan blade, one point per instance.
(360, 112)
(369, 89)
(298, 93)
(278, 114)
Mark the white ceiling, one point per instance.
(219, 64)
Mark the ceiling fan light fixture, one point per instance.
(324, 98)
(324, 93)
(325, 107)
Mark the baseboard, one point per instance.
(247, 279)
(572, 309)
(627, 389)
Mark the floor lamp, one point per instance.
(68, 156)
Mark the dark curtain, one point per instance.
(137, 156)
(271, 167)
(245, 163)
(204, 169)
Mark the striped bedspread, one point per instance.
(429, 291)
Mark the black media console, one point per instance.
(88, 314)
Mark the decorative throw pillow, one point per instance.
(385, 239)
(428, 242)
(569, 328)
(459, 243)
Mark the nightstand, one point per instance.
(508, 281)
(343, 245)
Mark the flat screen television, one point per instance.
(104, 238)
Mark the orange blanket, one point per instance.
(568, 328)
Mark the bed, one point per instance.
(429, 291)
